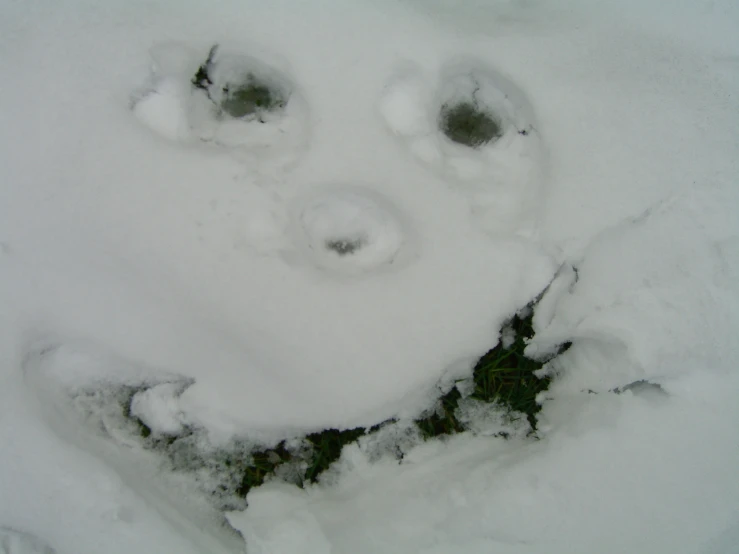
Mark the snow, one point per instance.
(330, 266)
(14, 542)
(157, 408)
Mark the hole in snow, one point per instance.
(231, 100)
(241, 87)
(349, 230)
(469, 124)
(251, 97)
(345, 246)
(643, 388)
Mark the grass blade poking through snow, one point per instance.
(503, 376)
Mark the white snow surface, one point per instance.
(145, 242)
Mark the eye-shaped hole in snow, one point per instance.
(473, 110)
(228, 99)
(469, 123)
(475, 129)
(241, 87)
(350, 230)
(251, 97)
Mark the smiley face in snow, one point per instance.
(361, 237)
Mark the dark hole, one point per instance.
(250, 98)
(642, 387)
(345, 246)
(467, 124)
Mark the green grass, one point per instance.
(262, 465)
(327, 446)
(504, 376)
(251, 97)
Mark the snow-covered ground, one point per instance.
(146, 243)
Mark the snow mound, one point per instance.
(17, 542)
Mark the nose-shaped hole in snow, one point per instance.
(350, 230)
(469, 124)
(346, 246)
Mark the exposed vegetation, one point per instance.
(503, 377)
(248, 97)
